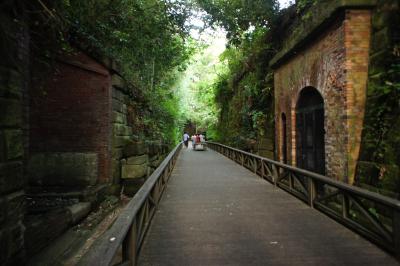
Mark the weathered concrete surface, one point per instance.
(215, 212)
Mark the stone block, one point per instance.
(118, 106)
(117, 94)
(122, 130)
(11, 177)
(118, 81)
(120, 141)
(134, 148)
(142, 159)
(119, 118)
(11, 112)
(116, 153)
(67, 169)
(155, 161)
(133, 171)
(14, 144)
(79, 211)
(116, 171)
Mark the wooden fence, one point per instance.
(372, 215)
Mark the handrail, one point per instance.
(130, 227)
(372, 215)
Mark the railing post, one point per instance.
(275, 174)
(242, 158)
(290, 180)
(255, 165)
(311, 192)
(129, 246)
(345, 206)
(396, 233)
(262, 168)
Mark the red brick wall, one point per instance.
(70, 111)
(334, 64)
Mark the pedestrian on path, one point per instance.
(186, 139)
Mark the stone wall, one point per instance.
(265, 145)
(133, 158)
(122, 131)
(331, 63)
(14, 46)
(379, 159)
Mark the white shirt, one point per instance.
(185, 137)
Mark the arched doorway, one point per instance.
(284, 139)
(310, 140)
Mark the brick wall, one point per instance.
(332, 65)
(70, 118)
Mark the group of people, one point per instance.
(196, 139)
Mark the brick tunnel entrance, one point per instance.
(310, 131)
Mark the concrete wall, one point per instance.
(335, 62)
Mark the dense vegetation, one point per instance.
(243, 88)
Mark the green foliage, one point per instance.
(243, 90)
(197, 92)
(382, 117)
(149, 38)
(239, 16)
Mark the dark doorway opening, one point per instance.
(310, 133)
(284, 139)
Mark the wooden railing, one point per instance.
(374, 216)
(126, 235)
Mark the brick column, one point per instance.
(357, 30)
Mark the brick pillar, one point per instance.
(357, 30)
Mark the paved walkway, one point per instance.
(214, 212)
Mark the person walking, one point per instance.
(194, 142)
(186, 139)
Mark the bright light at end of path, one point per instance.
(285, 3)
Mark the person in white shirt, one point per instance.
(186, 139)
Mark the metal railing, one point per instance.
(129, 229)
(372, 215)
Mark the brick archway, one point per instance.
(310, 133)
